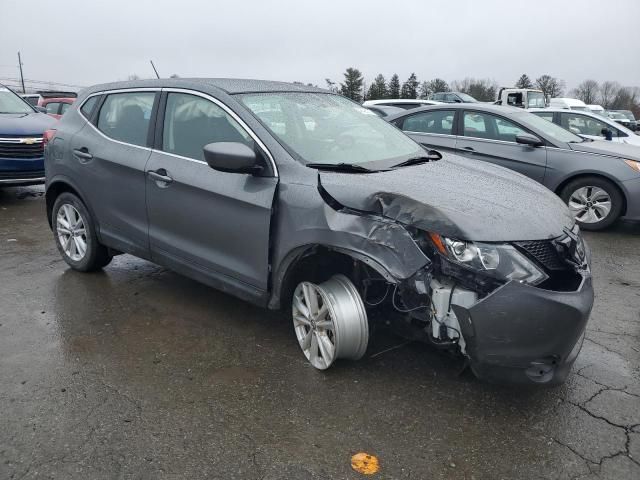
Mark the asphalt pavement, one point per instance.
(138, 373)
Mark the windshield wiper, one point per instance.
(340, 167)
(432, 155)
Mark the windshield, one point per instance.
(12, 103)
(535, 100)
(617, 115)
(547, 128)
(467, 98)
(329, 129)
(628, 114)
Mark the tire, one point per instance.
(595, 202)
(73, 227)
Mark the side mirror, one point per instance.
(528, 139)
(232, 157)
(607, 134)
(40, 109)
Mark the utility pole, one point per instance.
(21, 77)
(154, 69)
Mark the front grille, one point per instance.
(545, 253)
(21, 147)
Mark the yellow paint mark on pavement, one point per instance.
(365, 463)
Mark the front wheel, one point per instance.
(330, 321)
(75, 235)
(594, 202)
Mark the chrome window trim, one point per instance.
(233, 115)
(445, 135)
(189, 92)
(488, 140)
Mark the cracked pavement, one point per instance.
(139, 373)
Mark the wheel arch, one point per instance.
(59, 185)
(306, 258)
(560, 187)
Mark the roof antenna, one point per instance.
(154, 69)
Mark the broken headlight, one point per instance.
(500, 261)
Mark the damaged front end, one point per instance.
(528, 328)
(515, 310)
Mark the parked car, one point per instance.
(521, 97)
(56, 106)
(587, 124)
(32, 99)
(385, 110)
(568, 103)
(293, 197)
(619, 118)
(452, 97)
(597, 110)
(600, 181)
(404, 103)
(633, 125)
(21, 132)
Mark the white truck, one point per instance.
(521, 97)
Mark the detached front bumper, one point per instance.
(524, 334)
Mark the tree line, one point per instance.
(610, 94)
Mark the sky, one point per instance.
(84, 42)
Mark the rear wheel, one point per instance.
(330, 321)
(594, 202)
(75, 235)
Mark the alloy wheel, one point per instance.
(72, 233)
(590, 204)
(330, 321)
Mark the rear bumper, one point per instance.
(524, 334)
(21, 171)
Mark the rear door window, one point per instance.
(436, 121)
(126, 116)
(191, 122)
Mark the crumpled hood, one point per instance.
(20, 124)
(604, 147)
(456, 197)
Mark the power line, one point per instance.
(45, 82)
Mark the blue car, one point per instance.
(21, 140)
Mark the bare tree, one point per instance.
(608, 92)
(438, 85)
(133, 76)
(587, 91)
(484, 90)
(524, 81)
(550, 86)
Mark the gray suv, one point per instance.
(293, 197)
(598, 180)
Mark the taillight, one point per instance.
(48, 135)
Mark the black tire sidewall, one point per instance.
(614, 194)
(91, 259)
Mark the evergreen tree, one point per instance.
(378, 88)
(410, 87)
(393, 89)
(524, 81)
(352, 86)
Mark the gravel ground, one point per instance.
(137, 372)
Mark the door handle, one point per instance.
(469, 149)
(160, 175)
(82, 154)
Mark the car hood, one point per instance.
(455, 197)
(604, 147)
(21, 124)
